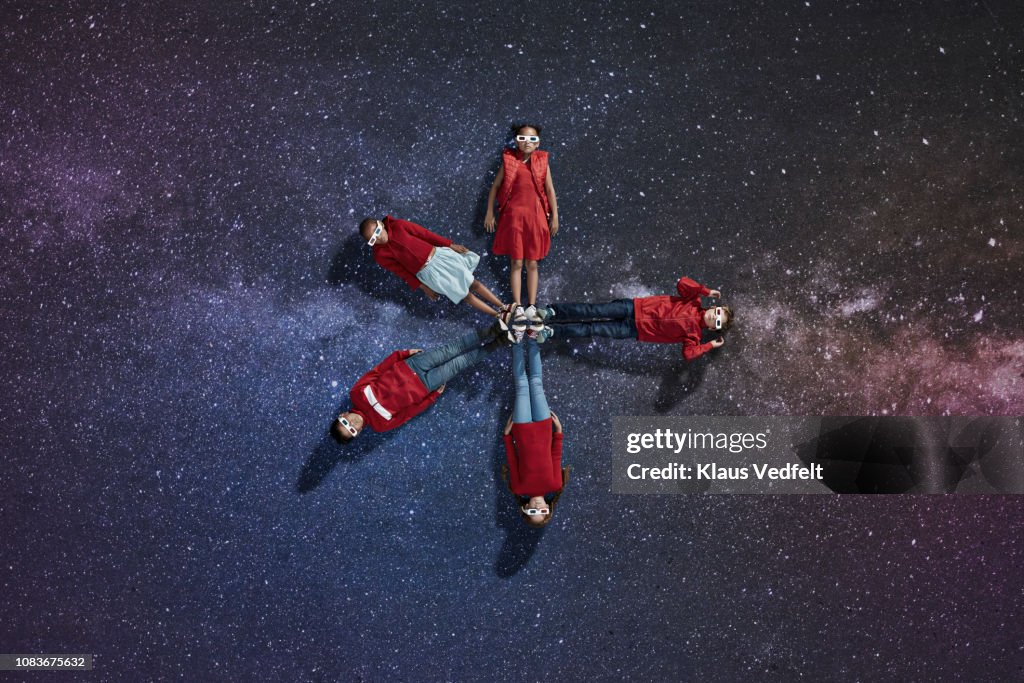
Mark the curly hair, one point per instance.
(516, 127)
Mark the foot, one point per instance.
(519, 316)
(506, 312)
(532, 314)
(502, 332)
(519, 322)
(544, 334)
(545, 314)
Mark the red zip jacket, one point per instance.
(534, 454)
(674, 319)
(407, 250)
(396, 394)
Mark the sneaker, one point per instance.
(503, 332)
(544, 334)
(519, 321)
(545, 314)
(532, 314)
(506, 312)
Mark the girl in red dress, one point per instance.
(529, 212)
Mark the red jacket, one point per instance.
(407, 249)
(674, 319)
(391, 394)
(534, 456)
(512, 163)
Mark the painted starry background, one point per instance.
(185, 304)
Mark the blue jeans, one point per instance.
(436, 367)
(530, 404)
(611, 319)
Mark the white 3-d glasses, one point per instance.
(376, 233)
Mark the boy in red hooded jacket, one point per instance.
(661, 319)
(408, 382)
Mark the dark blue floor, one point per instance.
(185, 303)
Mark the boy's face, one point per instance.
(376, 235)
(713, 315)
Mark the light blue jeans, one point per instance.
(530, 404)
(439, 365)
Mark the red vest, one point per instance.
(511, 164)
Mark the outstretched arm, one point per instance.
(691, 289)
(693, 351)
(489, 218)
(513, 462)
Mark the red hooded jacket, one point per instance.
(674, 319)
(391, 394)
(534, 455)
(407, 249)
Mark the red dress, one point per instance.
(523, 224)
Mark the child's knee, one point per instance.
(517, 263)
(532, 266)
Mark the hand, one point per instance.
(431, 294)
(459, 249)
(440, 389)
(508, 425)
(556, 422)
(718, 343)
(489, 222)
(553, 227)
(715, 294)
(413, 352)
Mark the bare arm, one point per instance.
(489, 218)
(549, 186)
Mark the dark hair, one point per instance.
(519, 501)
(367, 223)
(516, 127)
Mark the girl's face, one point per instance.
(527, 139)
